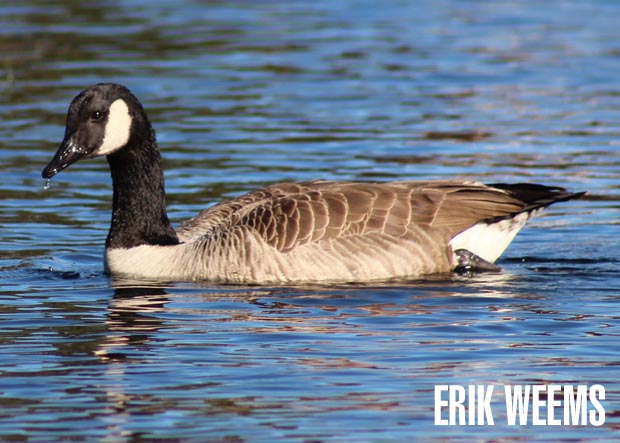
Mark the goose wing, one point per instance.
(289, 215)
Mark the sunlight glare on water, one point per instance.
(243, 94)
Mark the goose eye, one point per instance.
(96, 115)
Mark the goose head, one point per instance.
(101, 120)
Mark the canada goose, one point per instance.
(291, 232)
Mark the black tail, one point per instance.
(536, 196)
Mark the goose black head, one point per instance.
(101, 120)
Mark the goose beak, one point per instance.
(68, 153)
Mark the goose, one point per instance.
(287, 233)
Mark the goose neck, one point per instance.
(139, 214)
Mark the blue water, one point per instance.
(243, 94)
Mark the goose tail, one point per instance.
(488, 239)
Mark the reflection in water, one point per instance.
(130, 323)
(131, 319)
(136, 319)
(179, 353)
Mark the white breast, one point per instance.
(150, 261)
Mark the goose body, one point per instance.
(318, 231)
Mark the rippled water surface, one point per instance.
(246, 93)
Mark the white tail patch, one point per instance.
(490, 240)
(117, 129)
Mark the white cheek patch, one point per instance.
(117, 129)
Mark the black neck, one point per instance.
(139, 209)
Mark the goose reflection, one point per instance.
(131, 322)
(133, 325)
(132, 319)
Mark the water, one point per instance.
(248, 93)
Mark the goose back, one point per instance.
(289, 215)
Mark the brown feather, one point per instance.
(289, 215)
